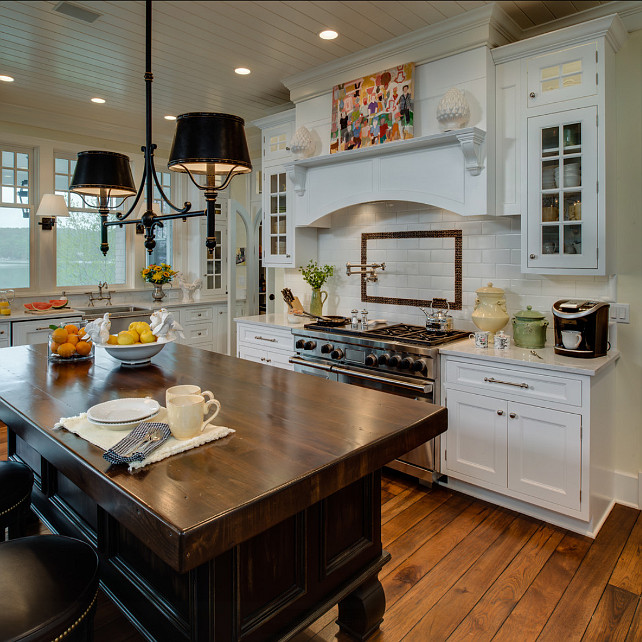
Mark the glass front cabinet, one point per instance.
(562, 227)
(277, 236)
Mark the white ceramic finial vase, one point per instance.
(453, 111)
(301, 144)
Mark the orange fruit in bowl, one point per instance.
(65, 350)
(59, 335)
(53, 346)
(83, 348)
(82, 333)
(71, 328)
(73, 339)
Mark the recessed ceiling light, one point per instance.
(7, 78)
(328, 34)
(168, 117)
(242, 71)
(98, 100)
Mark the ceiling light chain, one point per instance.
(204, 143)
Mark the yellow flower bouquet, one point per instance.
(158, 274)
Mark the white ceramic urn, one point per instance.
(490, 309)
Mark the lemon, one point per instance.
(113, 340)
(134, 334)
(147, 337)
(126, 338)
(139, 326)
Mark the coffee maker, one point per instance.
(581, 328)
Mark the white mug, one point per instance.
(571, 339)
(481, 338)
(179, 391)
(185, 415)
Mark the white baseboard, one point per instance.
(628, 488)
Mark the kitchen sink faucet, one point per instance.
(101, 286)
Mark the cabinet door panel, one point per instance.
(476, 437)
(545, 454)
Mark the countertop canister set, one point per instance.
(490, 316)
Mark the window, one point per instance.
(16, 208)
(162, 253)
(79, 260)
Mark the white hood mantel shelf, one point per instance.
(443, 170)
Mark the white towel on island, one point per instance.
(106, 439)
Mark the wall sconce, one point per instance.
(51, 206)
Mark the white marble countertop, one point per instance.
(522, 356)
(277, 320)
(23, 315)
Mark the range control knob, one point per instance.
(309, 345)
(371, 360)
(420, 365)
(406, 363)
(299, 344)
(327, 348)
(394, 361)
(337, 354)
(383, 359)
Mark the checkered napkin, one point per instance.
(131, 449)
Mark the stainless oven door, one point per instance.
(316, 369)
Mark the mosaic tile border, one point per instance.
(455, 234)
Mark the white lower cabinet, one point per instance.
(531, 438)
(5, 335)
(514, 446)
(30, 332)
(262, 343)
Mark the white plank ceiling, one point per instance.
(60, 62)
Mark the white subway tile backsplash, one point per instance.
(495, 256)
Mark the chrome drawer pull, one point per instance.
(506, 383)
(45, 328)
(264, 339)
(500, 412)
(512, 415)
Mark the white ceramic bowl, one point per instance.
(139, 354)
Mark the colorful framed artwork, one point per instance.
(373, 110)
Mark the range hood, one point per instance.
(444, 170)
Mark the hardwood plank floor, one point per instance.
(463, 569)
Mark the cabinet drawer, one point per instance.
(267, 357)
(194, 315)
(266, 337)
(520, 382)
(197, 333)
(37, 331)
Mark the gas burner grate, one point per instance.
(415, 334)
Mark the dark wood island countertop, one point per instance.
(298, 441)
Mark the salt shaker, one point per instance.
(355, 319)
(364, 319)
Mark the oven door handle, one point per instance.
(417, 387)
(297, 361)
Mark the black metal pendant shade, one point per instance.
(210, 144)
(101, 173)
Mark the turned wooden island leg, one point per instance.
(361, 612)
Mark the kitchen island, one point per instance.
(250, 537)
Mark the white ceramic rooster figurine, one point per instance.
(188, 289)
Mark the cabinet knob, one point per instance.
(288, 256)
(500, 412)
(532, 256)
(532, 94)
(512, 415)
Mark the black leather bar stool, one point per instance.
(48, 588)
(16, 481)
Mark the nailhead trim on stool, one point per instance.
(48, 589)
(16, 482)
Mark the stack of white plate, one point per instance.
(121, 414)
(572, 175)
(549, 177)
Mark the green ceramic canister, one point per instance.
(529, 328)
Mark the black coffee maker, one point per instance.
(581, 328)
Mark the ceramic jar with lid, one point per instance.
(490, 309)
(529, 328)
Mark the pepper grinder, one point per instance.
(354, 323)
(364, 319)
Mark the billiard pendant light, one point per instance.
(211, 145)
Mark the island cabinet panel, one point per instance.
(251, 537)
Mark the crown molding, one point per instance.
(487, 26)
(274, 120)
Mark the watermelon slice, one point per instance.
(41, 305)
(56, 304)
(29, 306)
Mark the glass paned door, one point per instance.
(276, 233)
(563, 197)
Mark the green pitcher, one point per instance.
(317, 301)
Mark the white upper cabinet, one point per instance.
(562, 75)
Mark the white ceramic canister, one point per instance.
(502, 341)
(490, 309)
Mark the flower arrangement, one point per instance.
(158, 274)
(316, 275)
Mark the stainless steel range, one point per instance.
(400, 359)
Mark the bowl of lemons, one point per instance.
(135, 346)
